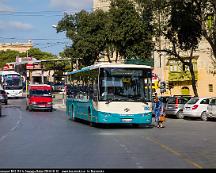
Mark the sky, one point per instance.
(24, 20)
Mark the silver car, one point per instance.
(211, 110)
(175, 105)
(196, 107)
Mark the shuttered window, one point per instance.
(210, 87)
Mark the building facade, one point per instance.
(20, 47)
(171, 71)
(101, 4)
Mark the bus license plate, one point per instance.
(126, 120)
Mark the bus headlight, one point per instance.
(49, 103)
(34, 103)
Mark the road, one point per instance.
(50, 140)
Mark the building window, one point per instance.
(210, 87)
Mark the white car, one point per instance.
(196, 107)
(211, 110)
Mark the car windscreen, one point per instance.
(193, 101)
(171, 100)
(163, 99)
(45, 93)
(183, 100)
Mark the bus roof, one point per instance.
(8, 72)
(109, 65)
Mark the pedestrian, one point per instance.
(158, 111)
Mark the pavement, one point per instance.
(59, 101)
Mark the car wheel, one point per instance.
(30, 109)
(204, 116)
(180, 115)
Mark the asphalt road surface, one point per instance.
(50, 140)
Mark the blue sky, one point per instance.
(23, 20)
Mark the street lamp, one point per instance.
(54, 26)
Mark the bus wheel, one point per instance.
(27, 108)
(92, 124)
(135, 125)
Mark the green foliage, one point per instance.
(9, 56)
(123, 29)
(39, 55)
(87, 31)
(131, 31)
(185, 24)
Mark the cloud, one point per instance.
(72, 4)
(14, 25)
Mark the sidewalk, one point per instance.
(59, 101)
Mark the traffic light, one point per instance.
(162, 87)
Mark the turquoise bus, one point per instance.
(110, 94)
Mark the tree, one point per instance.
(87, 32)
(184, 33)
(121, 30)
(7, 56)
(178, 22)
(207, 19)
(130, 30)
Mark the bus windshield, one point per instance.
(124, 84)
(12, 81)
(45, 93)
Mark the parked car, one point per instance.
(164, 100)
(195, 107)
(211, 110)
(58, 87)
(3, 97)
(175, 105)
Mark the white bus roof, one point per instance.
(8, 72)
(109, 65)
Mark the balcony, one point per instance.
(181, 76)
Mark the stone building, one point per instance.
(20, 47)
